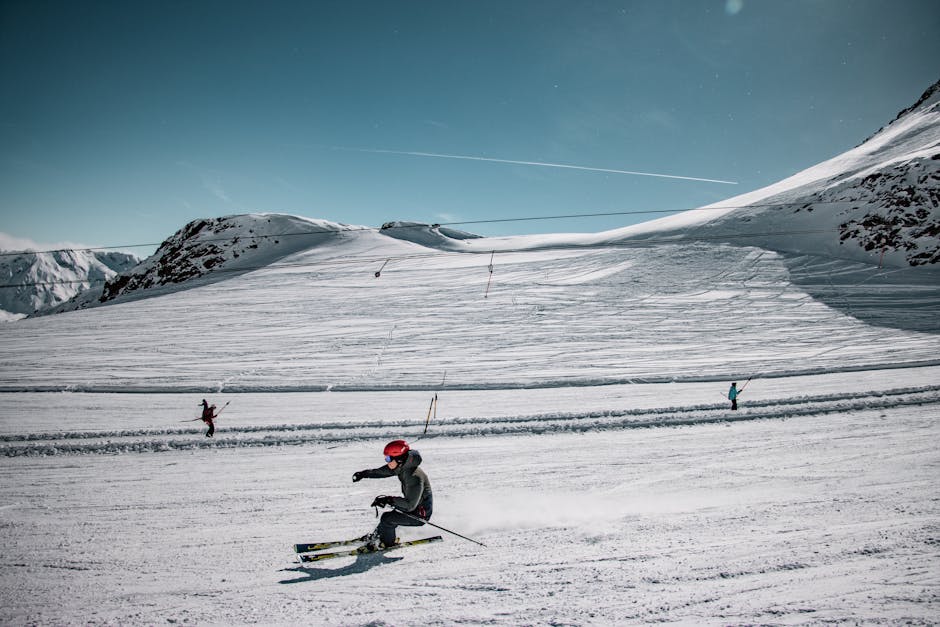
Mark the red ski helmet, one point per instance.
(396, 449)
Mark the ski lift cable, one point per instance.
(366, 259)
(455, 223)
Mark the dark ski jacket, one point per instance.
(208, 413)
(415, 485)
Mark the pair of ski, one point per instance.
(307, 549)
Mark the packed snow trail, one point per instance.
(337, 433)
(828, 520)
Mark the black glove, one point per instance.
(382, 501)
(357, 476)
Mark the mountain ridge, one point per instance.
(208, 250)
(878, 203)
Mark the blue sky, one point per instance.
(122, 121)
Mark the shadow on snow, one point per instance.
(362, 564)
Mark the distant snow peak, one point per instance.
(47, 279)
(878, 203)
(927, 103)
(430, 235)
(210, 248)
(235, 243)
(929, 100)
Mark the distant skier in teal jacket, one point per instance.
(733, 393)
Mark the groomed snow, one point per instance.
(821, 516)
(320, 320)
(581, 433)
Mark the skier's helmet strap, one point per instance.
(396, 449)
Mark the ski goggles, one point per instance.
(388, 458)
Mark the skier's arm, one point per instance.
(413, 493)
(376, 473)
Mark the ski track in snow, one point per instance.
(802, 521)
(157, 440)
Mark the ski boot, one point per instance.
(373, 542)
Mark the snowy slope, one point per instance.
(883, 195)
(321, 320)
(878, 203)
(430, 235)
(47, 279)
(815, 504)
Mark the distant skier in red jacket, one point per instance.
(208, 417)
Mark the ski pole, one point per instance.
(433, 406)
(428, 522)
(214, 417)
(430, 407)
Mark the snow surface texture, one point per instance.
(793, 516)
(642, 500)
(320, 320)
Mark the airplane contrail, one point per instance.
(535, 163)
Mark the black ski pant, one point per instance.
(391, 520)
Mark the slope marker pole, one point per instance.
(490, 268)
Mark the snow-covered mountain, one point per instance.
(226, 245)
(878, 203)
(40, 280)
(430, 235)
(211, 249)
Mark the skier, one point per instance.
(401, 461)
(208, 417)
(733, 395)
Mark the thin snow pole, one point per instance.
(428, 522)
(487, 292)
(430, 407)
(433, 406)
(378, 272)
